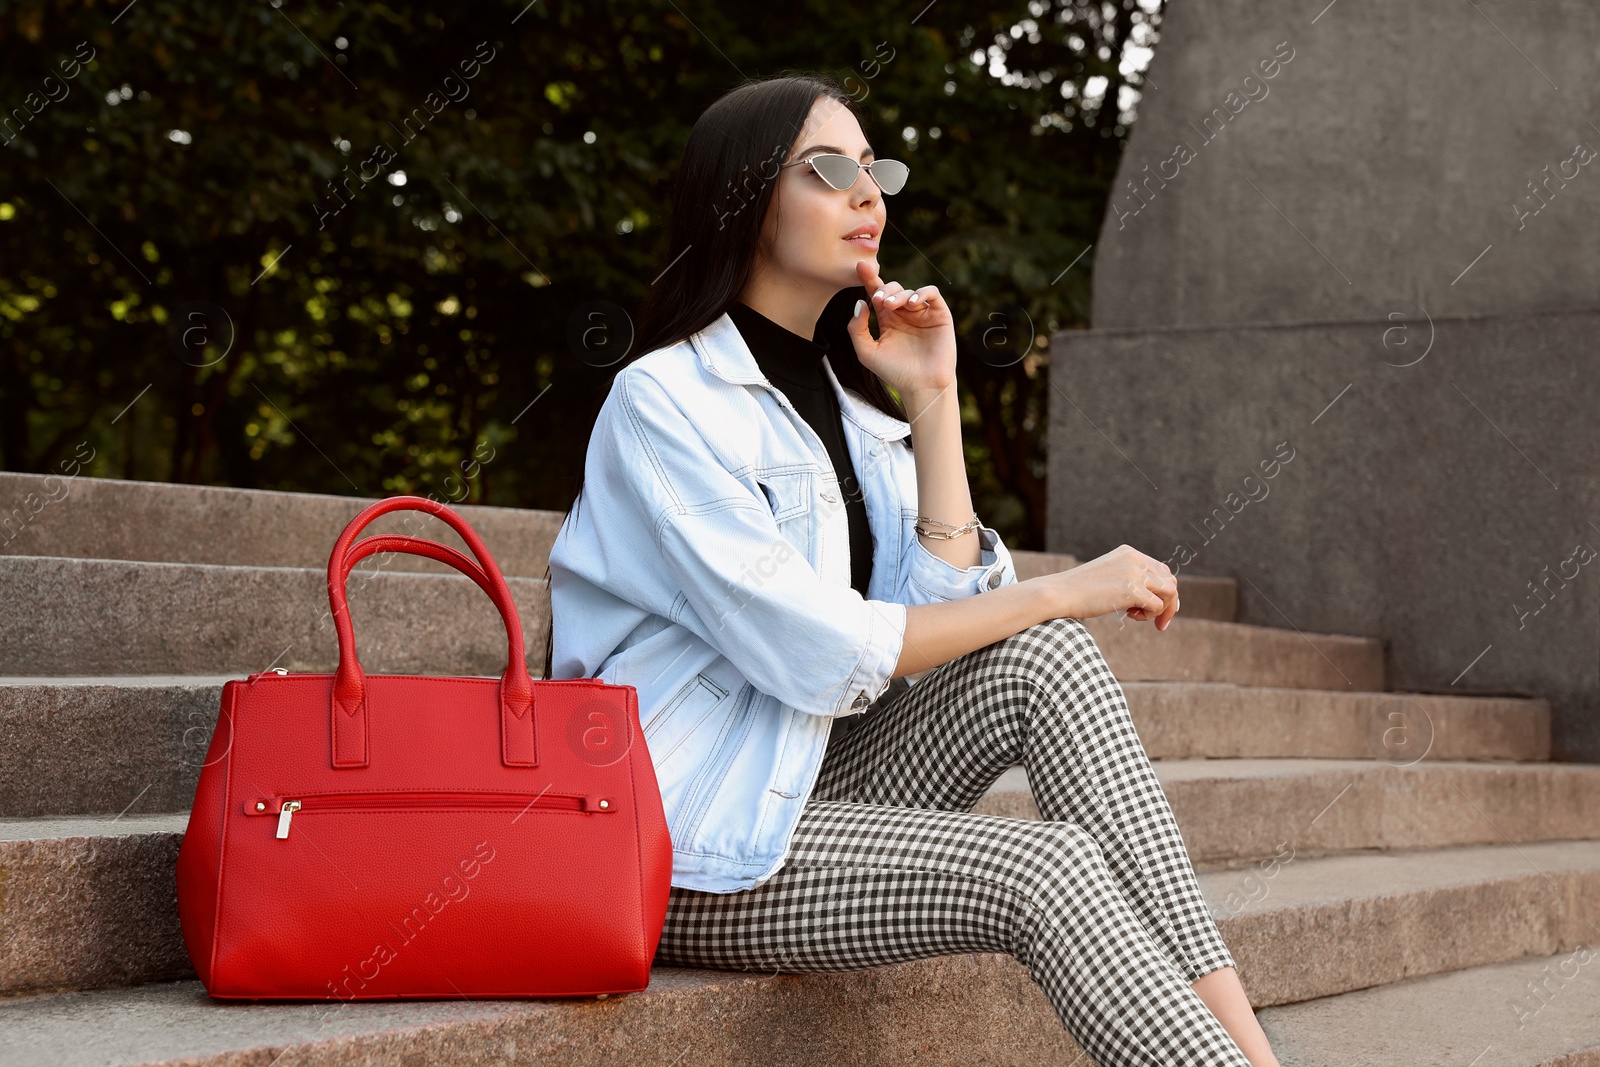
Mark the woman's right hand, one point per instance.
(1123, 578)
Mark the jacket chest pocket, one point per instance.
(789, 494)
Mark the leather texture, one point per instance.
(386, 837)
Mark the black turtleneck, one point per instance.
(794, 365)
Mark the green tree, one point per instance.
(337, 248)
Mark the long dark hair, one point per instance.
(720, 196)
(719, 199)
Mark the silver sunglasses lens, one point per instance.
(841, 171)
(890, 174)
(838, 171)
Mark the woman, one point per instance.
(766, 540)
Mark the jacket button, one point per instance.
(861, 701)
(994, 580)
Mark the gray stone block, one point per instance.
(1437, 505)
(111, 745)
(1198, 650)
(77, 617)
(956, 1010)
(90, 902)
(1365, 175)
(1303, 928)
(1542, 1010)
(101, 518)
(1189, 720)
(1370, 919)
(104, 518)
(136, 745)
(1232, 811)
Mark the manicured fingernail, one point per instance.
(878, 293)
(859, 305)
(914, 297)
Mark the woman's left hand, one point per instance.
(915, 351)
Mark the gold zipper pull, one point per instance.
(286, 813)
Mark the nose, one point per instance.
(869, 191)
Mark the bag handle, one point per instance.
(416, 546)
(348, 702)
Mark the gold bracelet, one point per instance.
(949, 530)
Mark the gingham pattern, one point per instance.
(888, 862)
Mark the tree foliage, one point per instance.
(337, 248)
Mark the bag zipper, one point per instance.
(285, 807)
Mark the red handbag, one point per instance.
(378, 837)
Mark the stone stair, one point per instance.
(1403, 877)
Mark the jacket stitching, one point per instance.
(630, 410)
(702, 782)
(766, 797)
(712, 508)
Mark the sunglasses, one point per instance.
(841, 171)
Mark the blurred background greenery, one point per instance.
(338, 247)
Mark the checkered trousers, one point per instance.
(888, 862)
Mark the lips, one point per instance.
(865, 238)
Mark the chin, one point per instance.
(850, 271)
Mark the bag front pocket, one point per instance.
(386, 894)
(285, 807)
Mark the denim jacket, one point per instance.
(707, 564)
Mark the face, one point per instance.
(804, 238)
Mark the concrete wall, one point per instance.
(1418, 507)
(1357, 226)
(1396, 140)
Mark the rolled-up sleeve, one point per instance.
(716, 562)
(931, 579)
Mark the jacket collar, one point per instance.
(723, 352)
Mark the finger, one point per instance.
(1148, 601)
(857, 327)
(1168, 592)
(927, 296)
(867, 271)
(900, 302)
(868, 274)
(1160, 580)
(887, 294)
